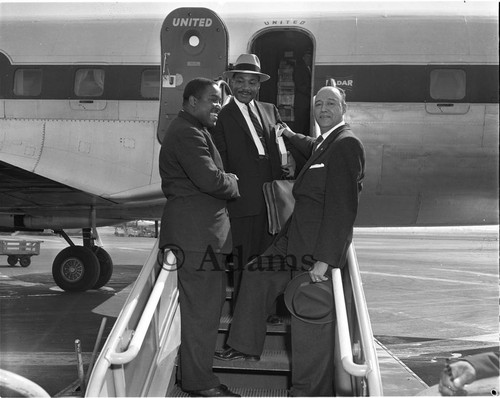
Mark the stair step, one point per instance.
(253, 380)
(226, 319)
(272, 341)
(244, 392)
(270, 361)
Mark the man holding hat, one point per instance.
(316, 238)
(326, 196)
(246, 139)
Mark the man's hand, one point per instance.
(283, 129)
(455, 376)
(318, 271)
(231, 175)
(289, 168)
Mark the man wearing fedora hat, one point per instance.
(246, 139)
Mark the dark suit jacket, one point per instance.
(196, 187)
(240, 156)
(326, 196)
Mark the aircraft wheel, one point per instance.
(76, 269)
(106, 265)
(25, 261)
(12, 260)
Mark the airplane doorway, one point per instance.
(287, 56)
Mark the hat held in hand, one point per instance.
(308, 301)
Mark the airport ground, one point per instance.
(432, 293)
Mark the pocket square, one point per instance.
(317, 166)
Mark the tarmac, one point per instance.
(432, 293)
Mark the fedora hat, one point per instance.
(247, 63)
(308, 301)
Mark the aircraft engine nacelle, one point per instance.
(194, 43)
(20, 222)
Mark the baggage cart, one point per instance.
(19, 250)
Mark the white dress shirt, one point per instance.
(325, 135)
(244, 111)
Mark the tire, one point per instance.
(76, 269)
(12, 260)
(25, 261)
(106, 266)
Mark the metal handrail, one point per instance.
(370, 369)
(352, 368)
(120, 358)
(367, 341)
(21, 385)
(112, 356)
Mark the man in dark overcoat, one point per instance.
(195, 226)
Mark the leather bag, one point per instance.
(279, 202)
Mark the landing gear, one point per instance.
(106, 266)
(76, 269)
(80, 268)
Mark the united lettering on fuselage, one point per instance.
(285, 22)
(194, 22)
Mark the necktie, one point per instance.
(258, 127)
(318, 141)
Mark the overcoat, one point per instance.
(195, 222)
(196, 188)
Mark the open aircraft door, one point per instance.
(194, 43)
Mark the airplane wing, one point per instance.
(31, 201)
(24, 192)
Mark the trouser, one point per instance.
(258, 291)
(312, 344)
(201, 296)
(251, 233)
(250, 239)
(312, 359)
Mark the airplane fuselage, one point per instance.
(422, 93)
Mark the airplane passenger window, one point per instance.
(447, 84)
(89, 82)
(28, 82)
(150, 84)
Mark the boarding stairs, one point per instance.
(269, 377)
(139, 356)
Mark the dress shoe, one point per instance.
(274, 320)
(230, 354)
(219, 391)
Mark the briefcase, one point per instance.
(279, 203)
